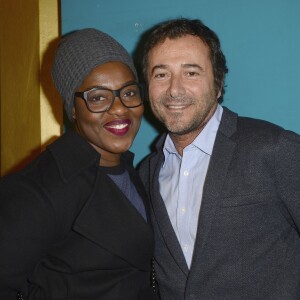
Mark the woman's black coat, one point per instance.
(62, 236)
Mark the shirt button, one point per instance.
(186, 173)
(182, 210)
(185, 248)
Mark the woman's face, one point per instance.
(112, 132)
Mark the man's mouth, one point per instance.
(172, 106)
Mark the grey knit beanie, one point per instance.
(80, 52)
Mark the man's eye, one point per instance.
(192, 74)
(160, 75)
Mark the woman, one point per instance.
(74, 224)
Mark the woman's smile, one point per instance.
(118, 127)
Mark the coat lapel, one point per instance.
(160, 213)
(219, 163)
(112, 222)
(107, 218)
(126, 158)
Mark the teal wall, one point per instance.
(260, 39)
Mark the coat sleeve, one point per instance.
(287, 174)
(27, 227)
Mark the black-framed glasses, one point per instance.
(99, 99)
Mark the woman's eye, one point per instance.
(97, 99)
(129, 94)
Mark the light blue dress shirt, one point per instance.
(181, 181)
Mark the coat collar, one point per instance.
(73, 154)
(110, 220)
(107, 218)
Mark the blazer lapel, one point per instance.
(221, 157)
(161, 215)
(112, 222)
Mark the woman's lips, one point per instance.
(118, 127)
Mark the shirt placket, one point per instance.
(183, 214)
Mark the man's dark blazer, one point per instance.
(247, 244)
(67, 231)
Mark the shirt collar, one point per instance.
(205, 139)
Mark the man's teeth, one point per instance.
(176, 106)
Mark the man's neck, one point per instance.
(182, 141)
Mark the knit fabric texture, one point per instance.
(77, 54)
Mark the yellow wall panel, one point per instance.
(28, 120)
(51, 106)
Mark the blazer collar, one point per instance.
(223, 152)
(159, 209)
(228, 124)
(221, 157)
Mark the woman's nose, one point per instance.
(117, 107)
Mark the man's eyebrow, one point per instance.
(192, 66)
(161, 66)
(186, 66)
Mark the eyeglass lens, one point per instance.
(101, 99)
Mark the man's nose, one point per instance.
(176, 88)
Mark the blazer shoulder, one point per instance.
(234, 125)
(252, 123)
(251, 133)
(256, 129)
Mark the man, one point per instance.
(225, 190)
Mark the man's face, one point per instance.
(181, 85)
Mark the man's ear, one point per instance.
(73, 113)
(220, 91)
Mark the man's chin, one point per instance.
(178, 130)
